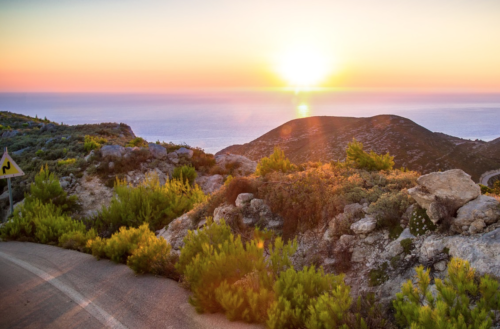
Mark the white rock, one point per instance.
(364, 226)
(175, 232)
(243, 199)
(453, 187)
(440, 266)
(210, 184)
(432, 246)
(484, 209)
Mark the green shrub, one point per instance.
(297, 294)
(77, 240)
(389, 209)
(39, 222)
(137, 142)
(149, 202)
(153, 256)
(39, 153)
(276, 162)
(230, 276)
(93, 143)
(97, 247)
(379, 275)
(47, 189)
(420, 222)
(124, 242)
(66, 162)
(370, 161)
(461, 300)
(407, 245)
(185, 173)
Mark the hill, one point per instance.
(325, 138)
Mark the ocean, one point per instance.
(215, 120)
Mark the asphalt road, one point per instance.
(485, 179)
(43, 286)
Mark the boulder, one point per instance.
(175, 232)
(21, 151)
(484, 210)
(210, 184)
(48, 127)
(185, 153)
(173, 157)
(354, 211)
(442, 193)
(157, 151)
(243, 199)
(431, 247)
(115, 151)
(89, 156)
(482, 252)
(364, 226)
(239, 164)
(226, 212)
(9, 134)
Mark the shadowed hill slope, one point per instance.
(325, 138)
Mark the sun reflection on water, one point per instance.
(303, 110)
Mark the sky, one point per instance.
(164, 45)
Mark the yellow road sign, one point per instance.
(8, 168)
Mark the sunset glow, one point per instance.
(157, 46)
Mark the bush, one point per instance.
(389, 209)
(303, 295)
(185, 173)
(149, 202)
(461, 301)
(276, 162)
(77, 240)
(372, 161)
(137, 142)
(378, 275)
(230, 276)
(420, 222)
(93, 143)
(153, 256)
(238, 185)
(407, 245)
(47, 189)
(66, 162)
(39, 222)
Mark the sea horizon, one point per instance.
(215, 120)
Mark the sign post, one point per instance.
(9, 169)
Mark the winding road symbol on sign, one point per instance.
(6, 167)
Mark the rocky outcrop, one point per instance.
(442, 193)
(210, 184)
(112, 151)
(475, 215)
(175, 232)
(243, 199)
(238, 164)
(157, 151)
(9, 134)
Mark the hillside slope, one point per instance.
(413, 146)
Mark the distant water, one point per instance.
(216, 120)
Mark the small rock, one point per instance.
(111, 165)
(243, 199)
(477, 226)
(112, 151)
(157, 151)
(440, 266)
(184, 152)
(364, 226)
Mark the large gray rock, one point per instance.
(484, 210)
(9, 134)
(115, 151)
(364, 226)
(442, 193)
(175, 232)
(210, 184)
(243, 199)
(239, 164)
(157, 151)
(354, 211)
(48, 127)
(226, 212)
(184, 152)
(482, 252)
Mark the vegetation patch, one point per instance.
(420, 222)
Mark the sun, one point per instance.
(304, 68)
